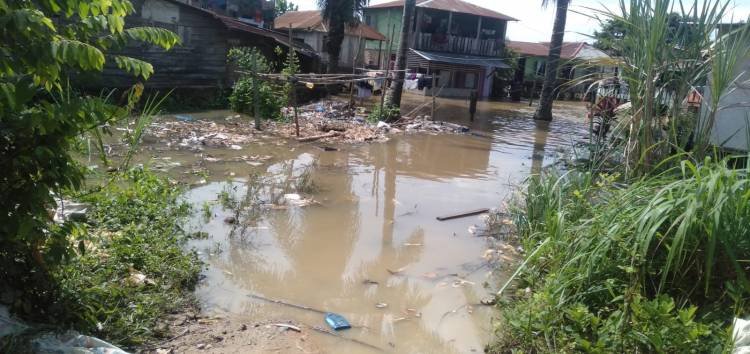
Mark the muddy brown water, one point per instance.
(371, 250)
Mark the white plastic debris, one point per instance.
(292, 197)
(73, 342)
(69, 210)
(383, 125)
(741, 335)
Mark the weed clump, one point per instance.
(131, 268)
(653, 266)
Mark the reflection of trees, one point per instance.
(540, 143)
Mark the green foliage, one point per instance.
(42, 44)
(290, 69)
(653, 266)
(666, 55)
(284, 6)
(339, 14)
(250, 61)
(609, 36)
(388, 113)
(134, 227)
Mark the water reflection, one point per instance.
(374, 237)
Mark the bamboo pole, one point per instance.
(354, 68)
(387, 68)
(256, 104)
(292, 83)
(434, 86)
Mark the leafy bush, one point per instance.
(241, 99)
(250, 60)
(653, 266)
(388, 113)
(43, 44)
(134, 229)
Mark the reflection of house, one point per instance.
(460, 43)
(730, 130)
(310, 27)
(200, 61)
(578, 63)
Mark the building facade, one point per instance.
(309, 27)
(581, 64)
(200, 60)
(458, 43)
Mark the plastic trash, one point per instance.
(741, 335)
(184, 117)
(337, 322)
(73, 342)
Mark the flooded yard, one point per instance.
(363, 240)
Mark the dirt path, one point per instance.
(192, 334)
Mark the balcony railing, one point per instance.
(459, 45)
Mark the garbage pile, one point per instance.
(194, 134)
(335, 121)
(330, 121)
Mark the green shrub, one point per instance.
(249, 61)
(388, 113)
(134, 227)
(241, 99)
(44, 43)
(653, 266)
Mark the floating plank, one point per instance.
(463, 215)
(318, 137)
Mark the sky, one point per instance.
(535, 23)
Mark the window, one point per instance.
(470, 80)
(368, 20)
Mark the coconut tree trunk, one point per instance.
(333, 47)
(393, 97)
(544, 112)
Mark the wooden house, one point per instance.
(457, 42)
(579, 62)
(200, 61)
(309, 27)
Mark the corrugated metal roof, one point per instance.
(237, 25)
(459, 6)
(462, 59)
(528, 48)
(313, 21)
(570, 50)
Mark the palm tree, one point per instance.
(544, 112)
(339, 14)
(394, 94)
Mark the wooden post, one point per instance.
(387, 68)
(293, 83)
(354, 69)
(380, 54)
(256, 103)
(433, 89)
(477, 45)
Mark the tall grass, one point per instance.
(659, 265)
(670, 49)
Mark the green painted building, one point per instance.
(458, 43)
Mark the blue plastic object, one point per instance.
(184, 118)
(337, 322)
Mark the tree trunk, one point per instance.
(335, 39)
(394, 94)
(544, 112)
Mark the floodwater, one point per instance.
(370, 249)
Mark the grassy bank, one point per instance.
(134, 232)
(657, 265)
(129, 269)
